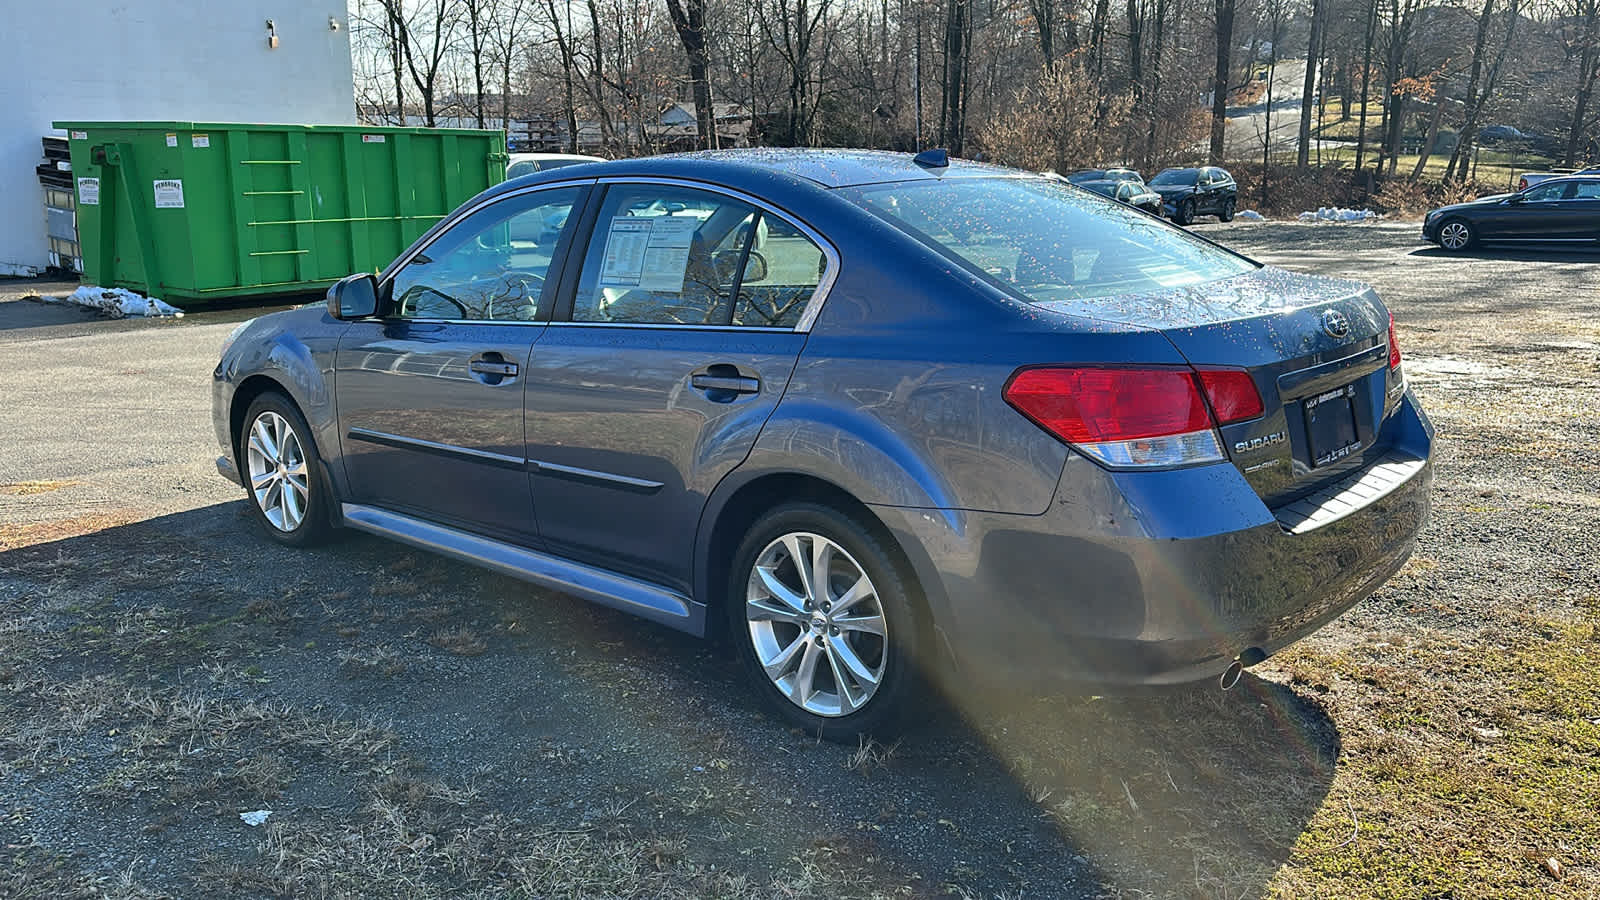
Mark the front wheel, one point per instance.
(281, 472)
(1185, 213)
(1456, 235)
(823, 622)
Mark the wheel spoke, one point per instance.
(763, 611)
(857, 592)
(848, 700)
(261, 439)
(821, 567)
(780, 591)
(846, 655)
(264, 480)
(780, 665)
(864, 624)
(802, 563)
(800, 689)
(289, 502)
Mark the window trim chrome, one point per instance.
(819, 295)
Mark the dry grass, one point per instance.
(28, 488)
(372, 662)
(462, 640)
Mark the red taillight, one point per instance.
(1092, 406)
(1394, 345)
(1232, 393)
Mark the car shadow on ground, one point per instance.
(158, 677)
(1587, 253)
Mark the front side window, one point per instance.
(671, 255)
(490, 266)
(1043, 242)
(1553, 191)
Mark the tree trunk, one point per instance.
(1588, 67)
(1219, 84)
(1313, 60)
(1366, 82)
(1427, 139)
(952, 109)
(690, 23)
(1469, 125)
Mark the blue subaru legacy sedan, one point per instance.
(875, 418)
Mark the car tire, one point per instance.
(282, 472)
(1228, 206)
(1456, 235)
(838, 662)
(1185, 213)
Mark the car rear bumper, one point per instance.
(1159, 577)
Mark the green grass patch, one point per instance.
(1467, 771)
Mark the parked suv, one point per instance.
(1202, 191)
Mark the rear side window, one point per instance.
(1586, 190)
(1044, 242)
(673, 255)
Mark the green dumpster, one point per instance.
(186, 211)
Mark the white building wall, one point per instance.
(166, 60)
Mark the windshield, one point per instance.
(1043, 241)
(1177, 176)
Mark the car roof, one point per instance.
(827, 168)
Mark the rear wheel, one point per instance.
(1228, 207)
(823, 622)
(1185, 213)
(282, 472)
(1456, 235)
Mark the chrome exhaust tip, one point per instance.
(1231, 676)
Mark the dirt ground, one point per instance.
(420, 728)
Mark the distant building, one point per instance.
(156, 60)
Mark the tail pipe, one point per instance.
(1235, 670)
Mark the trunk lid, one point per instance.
(1317, 350)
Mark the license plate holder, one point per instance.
(1331, 425)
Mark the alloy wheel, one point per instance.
(1455, 235)
(279, 476)
(817, 624)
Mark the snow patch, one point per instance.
(118, 303)
(1339, 214)
(255, 818)
(1249, 215)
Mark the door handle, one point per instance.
(489, 367)
(733, 384)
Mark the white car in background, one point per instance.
(1529, 179)
(528, 163)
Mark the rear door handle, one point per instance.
(734, 384)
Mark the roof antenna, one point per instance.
(934, 158)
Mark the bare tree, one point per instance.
(689, 19)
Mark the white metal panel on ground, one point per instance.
(155, 60)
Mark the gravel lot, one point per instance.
(419, 728)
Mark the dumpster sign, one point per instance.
(88, 192)
(169, 193)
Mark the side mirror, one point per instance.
(354, 297)
(755, 268)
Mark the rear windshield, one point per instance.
(1177, 176)
(1043, 241)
